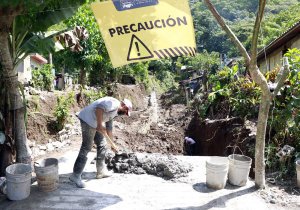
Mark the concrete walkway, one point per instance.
(129, 191)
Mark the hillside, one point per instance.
(151, 128)
(240, 16)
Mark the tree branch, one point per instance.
(256, 75)
(229, 32)
(281, 77)
(259, 16)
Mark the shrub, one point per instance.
(62, 109)
(43, 78)
(93, 95)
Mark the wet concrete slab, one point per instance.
(132, 191)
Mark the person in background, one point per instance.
(96, 122)
(190, 145)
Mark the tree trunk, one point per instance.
(260, 140)
(82, 77)
(15, 99)
(258, 78)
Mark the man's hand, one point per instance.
(101, 130)
(114, 149)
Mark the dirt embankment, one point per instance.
(152, 127)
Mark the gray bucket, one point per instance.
(216, 172)
(298, 172)
(47, 174)
(18, 180)
(239, 168)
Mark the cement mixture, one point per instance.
(167, 167)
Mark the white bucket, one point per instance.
(298, 172)
(47, 174)
(18, 179)
(239, 168)
(216, 172)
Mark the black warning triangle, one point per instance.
(138, 50)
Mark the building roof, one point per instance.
(40, 59)
(280, 41)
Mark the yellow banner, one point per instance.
(136, 31)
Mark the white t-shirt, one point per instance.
(109, 105)
(189, 140)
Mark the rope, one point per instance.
(264, 48)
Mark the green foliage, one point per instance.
(93, 95)
(205, 61)
(36, 102)
(43, 78)
(228, 93)
(276, 24)
(94, 58)
(27, 32)
(245, 98)
(138, 70)
(286, 108)
(62, 109)
(284, 118)
(240, 16)
(164, 76)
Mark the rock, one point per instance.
(35, 151)
(68, 127)
(49, 147)
(118, 125)
(42, 152)
(63, 144)
(56, 144)
(160, 125)
(63, 137)
(31, 143)
(42, 147)
(43, 98)
(33, 91)
(29, 150)
(63, 131)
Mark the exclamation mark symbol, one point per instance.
(137, 48)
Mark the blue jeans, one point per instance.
(90, 136)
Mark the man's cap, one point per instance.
(128, 104)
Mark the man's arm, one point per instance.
(109, 128)
(99, 116)
(105, 131)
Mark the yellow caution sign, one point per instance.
(143, 30)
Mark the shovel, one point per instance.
(111, 142)
(116, 149)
